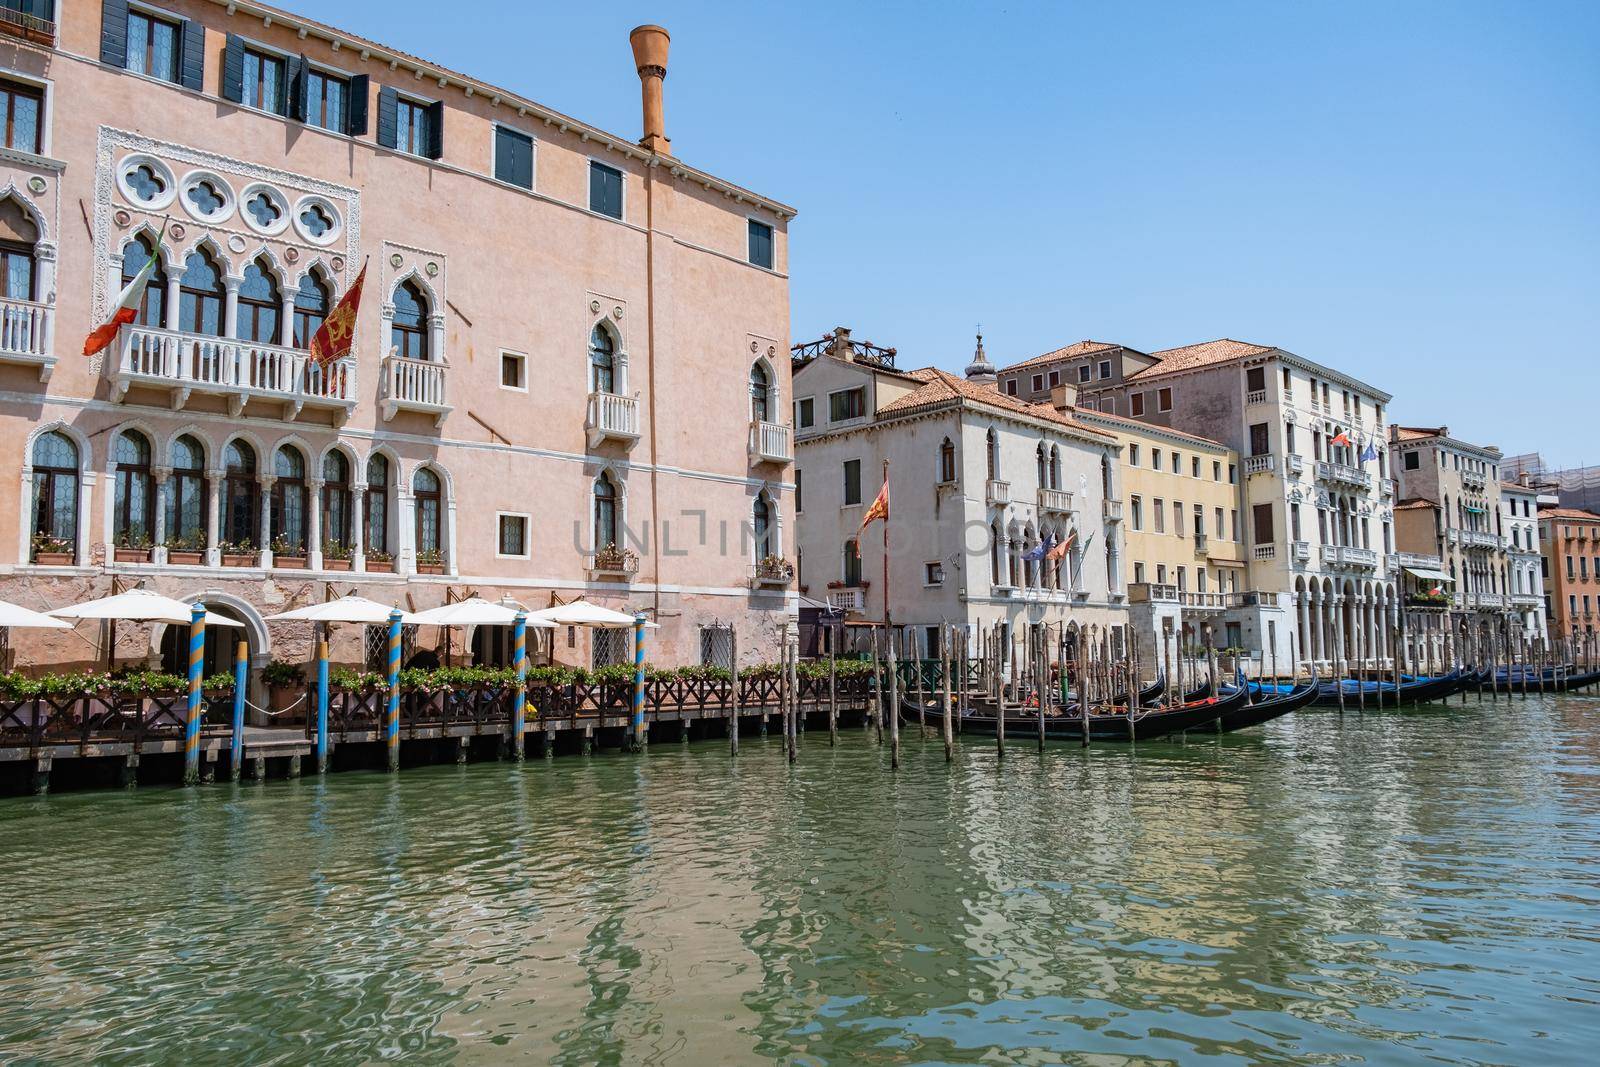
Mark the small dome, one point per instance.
(980, 369)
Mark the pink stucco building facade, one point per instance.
(567, 338)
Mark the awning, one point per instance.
(1226, 562)
(1474, 510)
(1429, 576)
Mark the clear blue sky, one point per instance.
(1409, 192)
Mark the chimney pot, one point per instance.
(650, 58)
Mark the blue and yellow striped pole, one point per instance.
(519, 653)
(191, 725)
(241, 681)
(391, 713)
(322, 703)
(638, 681)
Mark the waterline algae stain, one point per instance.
(1388, 888)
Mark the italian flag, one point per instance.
(127, 308)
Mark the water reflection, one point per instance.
(1387, 886)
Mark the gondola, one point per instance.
(1418, 691)
(1198, 694)
(1549, 679)
(1023, 723)
(1274, 706)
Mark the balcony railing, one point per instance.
(26, 331)
(1341, 474)
(1294, 464)
(1473, 479)
(1264, 552)
(1414, 561)
(1349, 556)
(1300, 551)
(1386, 487)
(1200, 544)
(1259, 464)
(769, 443)
(241, 371)
(612, 417)
(1526, 600)
(414, 385)
(1153, 593)
(773, 572)
(997, 493)
(1488, 601)
(848, 599)
(1055, 500)
(1113, 510)
(1256, 396)
(33, 21)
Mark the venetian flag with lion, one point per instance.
(337, 334)
(879, 508)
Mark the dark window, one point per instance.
(410, 321)
(512, 366)
(289, 504)
(1413, 461)
(264, 83)
(798, 496)
(134, 506)
(22, 105)
(1262, 514)
(1255, 379)
(187, 499)
(153, 305)
(200, 296)
(16, 271)
(1136, 403)
(1105, 368)
(852, 481)
(852, 562)
(605, 189)
(605, 512)
(429, 505)
(413, 126)
(947, 461)
(806, 412)
(153, 46)
(1084, 373)
(311, 303)
(760, 244)
(55, 491)
(1164, 400)
(260, 306)
(1260, 443)
(335, 500)
(327, 101)
(513, 157)
(847, 404)
(513, 535)
(760, 390)
(761, 526)
(376, 505)
(1011, 387)
(1055, 378)
(240, 505)
(602, 361)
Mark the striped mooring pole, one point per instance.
(391, 712)
(519, 656)
(241, 679)
(638, 681)
(322, 703)
(191, 724)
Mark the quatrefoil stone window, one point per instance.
(263, 210)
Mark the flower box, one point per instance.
(430, 568)
(243, 559)
(335, 564)
(53, 559)
(182, 557)
(131, 555)
(385, 566)
(289, 563)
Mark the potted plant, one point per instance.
(430, 561)
(132, 546)
(238, 553)
(287, 555)
(285, 683)
(774, 570)
(52, 551)
(336, 557)
(614, 561)
(188, 550)
(379, 561)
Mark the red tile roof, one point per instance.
(1205, 354)
(943, 386)
(1414, 504)
(1077, 348)
(1568, 513)
(1416, 433)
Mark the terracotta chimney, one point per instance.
(650, 56)
(1064, 396)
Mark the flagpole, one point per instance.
(886, 511)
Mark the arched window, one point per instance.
(186, 496)
(260, 306)
(760, 385)
(429, 503)
(55, 493)
(17, 266)
(852, 562)
(1055, 467)
(1042, 464)
(991, 448)
(1105, 478)
(153, 305)
(761, 526)
(134, 502)
(241, 507)
(336, 500)
(994, 554)
(947, 461)
(289, 502)
(410, 321)
(377, 506)
(602, 361)
(605, 512)
(200, 296)
(311, 303)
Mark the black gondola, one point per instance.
(1419, 691)
(1023, 723)
(1273, 707)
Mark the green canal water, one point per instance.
(1389, 888)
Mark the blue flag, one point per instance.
(1370, 453)
(1037, 552)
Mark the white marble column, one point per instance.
(230, 305)
(314, 524)
(266, 483)
(358, 526)
(214, 487)
(158, 521)
(436, 339)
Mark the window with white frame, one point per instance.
(514, 371)
(512, 540)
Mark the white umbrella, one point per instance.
(15, 615)
(344, 609)
(474, 611)
(139, 605)
(583, 613)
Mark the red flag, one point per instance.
(128, 302)
(1341, 438)
(1061, 548)
(879, 508)
(338, 332)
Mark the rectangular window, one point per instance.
(513, 157)
(1138, 573)
(1177, 518)
(760, 244)
(22, 106)
(513, 536)
(1083, 373)
(1413, 461)
(1155, 459)
(1161, 574)
(1055, 378)
(153, 46)
(933, 573)
(852, 481)
(1216, 470)
(264, 86)
(1105, 369)
(1133, 454)
(799, 498)
(1136, 404)
(514, 371)
(1136, 506)
(1164, 400)
(1038, 382)
(1159, 511)
(1220, 528)
(327, 101)
(1255, 379)
(1177, 463)
(605, 190)
(1260, 439)
(1194, 466)
(847, 404)
(1262, 514)
(1233, 474)
(805, 412)
(1011, 387)
(413, 126)
(1183, 579)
